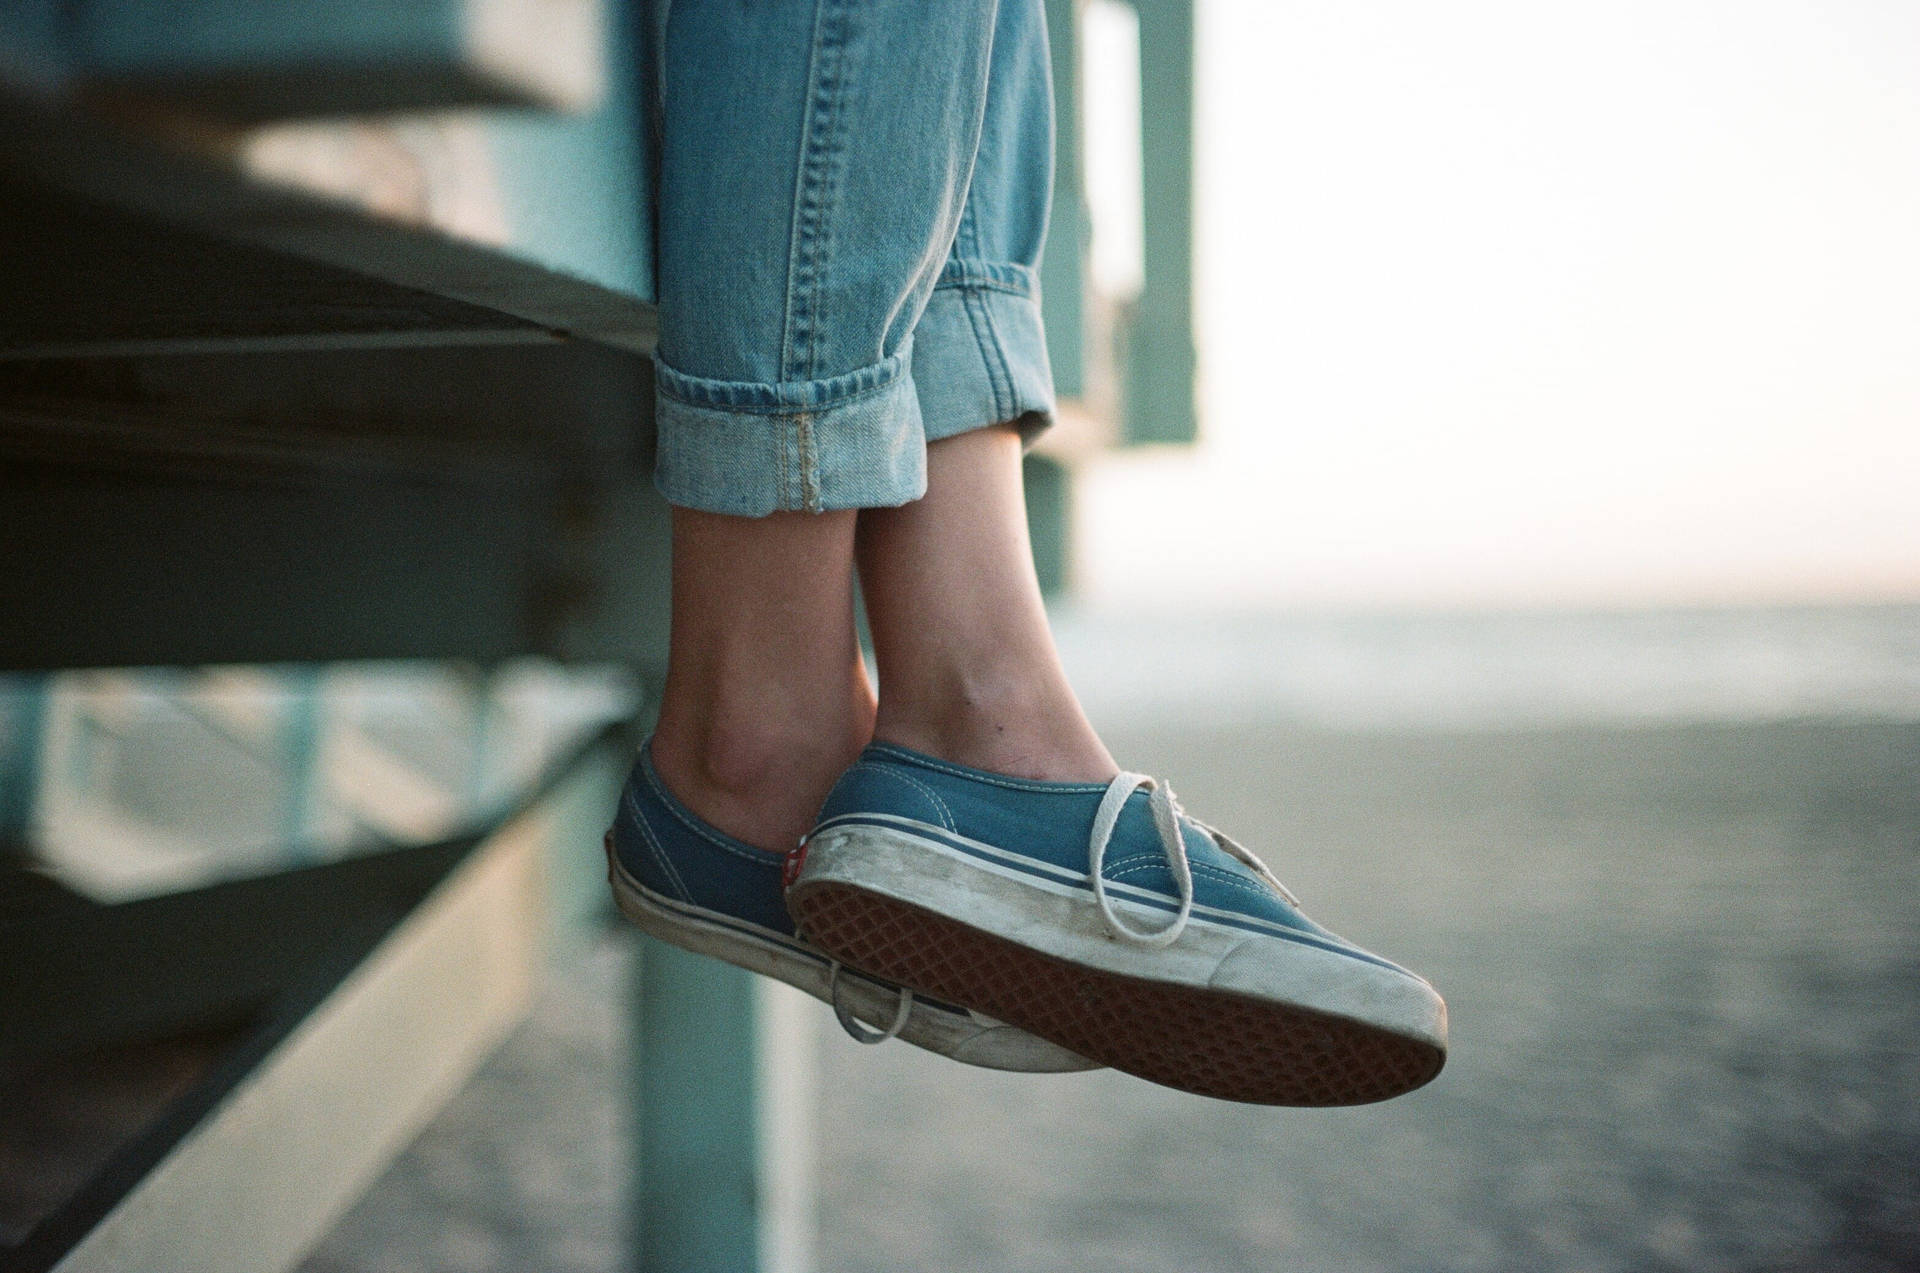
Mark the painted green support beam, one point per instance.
(23, 709)
(1161, 362)
(243, 61)
(1049, 492)
(1063, 266)
(722, 1076)
(698, 1163)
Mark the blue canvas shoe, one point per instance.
(694, 886)
(1102, 917)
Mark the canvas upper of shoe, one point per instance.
(1047, 829)
(673, 852)
(692, 884)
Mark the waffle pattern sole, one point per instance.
(1198, 1040)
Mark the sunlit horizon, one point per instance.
(1505, 305)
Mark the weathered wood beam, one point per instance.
(248, 61)
(209, 258)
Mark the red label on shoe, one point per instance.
(790, 869)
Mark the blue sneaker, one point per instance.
(694, 886)
(1102, 917)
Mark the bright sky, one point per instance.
(1505, 302)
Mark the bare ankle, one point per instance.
(1028, 727)
(759, 777)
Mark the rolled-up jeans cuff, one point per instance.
(980, 353)
(852, 441)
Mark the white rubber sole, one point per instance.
(1246, 1015)
(963, 1036)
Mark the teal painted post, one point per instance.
(1063, 265)
(300, 761)
(1161, 363)
(1049, 491)
(247, 61)
(33, 44)
(576, 868)
(698, 1163)
(597, 222)
(23, 712)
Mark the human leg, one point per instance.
(815, 160)
(967, 664)
(968, 668)
(766, 698)
(1092, 913)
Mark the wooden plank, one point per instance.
(449, 503)
(242, 60)
(23, 707)
(264, 1175)
(58, 168)
(81, 976)
(107, 571)
(84, 279)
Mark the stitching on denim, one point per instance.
(995, 354)
(973, 775)
(969, 227)
(970, 301)
(809, 462)
(969, 232)
(983, 285)
(796, 394)
(782, 408)
(967, 271)
(785, 486)
(809, 175)
(801, 175)
(823, 152)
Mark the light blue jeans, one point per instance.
(852, 200)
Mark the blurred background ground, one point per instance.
(1674, 923)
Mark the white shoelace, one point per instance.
(1167, 813)
(858, 1032)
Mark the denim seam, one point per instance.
(809, 462)
(983, 285)
(801, 175)
(998, 355)
(822, 153)
(982, 337)
(999, 376)
(778, 408)
(782, 482)
(978, 271)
